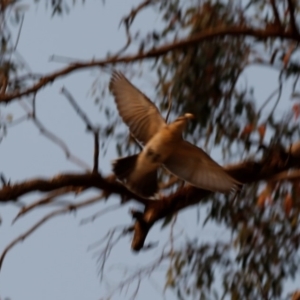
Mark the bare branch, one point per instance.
(19, 32)
(96, 151)
(169, 107)
(89, 126)
(59, 142)
(145, 271)
(100, 213)
(265, 103)
(111, 242)
(11, 192)
(51, 136)
(276, 14)
(278, 98)
(293, 23)
(79, 111)
(246, 172)
(153, 53)
(49, 216)
(45, 200)
(128, 20)
(63, 59)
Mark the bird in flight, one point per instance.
(163, 146)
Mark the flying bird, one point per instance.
(163, 146)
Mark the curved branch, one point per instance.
(11, 192)
(276, 161)
(153, 53)
(64, 210)
(44, 201)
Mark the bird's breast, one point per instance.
(160, 147)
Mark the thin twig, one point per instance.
(130, 18)
(292, 17)
(77, 108)
(100, 213)
(89, 126)
(102, 240)
(19, 32)
(277, 100)
(96, 152)
(63, 59)
(276, 14)
(102, 259)
(51, 136)
(129, 39)
(49, 216)
(56, 140)
(169, 106)
(34, 106)
(111, 242)
(45, 200)
(144, 271)
(268, 100)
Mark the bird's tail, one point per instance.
(144, 184)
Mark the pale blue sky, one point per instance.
(54, 263)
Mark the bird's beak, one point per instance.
(189, 116)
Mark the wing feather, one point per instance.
(193, 165)
(137, 111)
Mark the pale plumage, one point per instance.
(164, 146)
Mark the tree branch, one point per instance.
(11, 192)
(64, 210)
(44, 201)
(154, 53)
(292, 17)
(89, 126)
(52, 137)
(276, 161)
(276, 14)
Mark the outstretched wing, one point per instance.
(137, 111)
(193, 165)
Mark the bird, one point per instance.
(163, 146)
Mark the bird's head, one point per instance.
(180, 123)
(189, 116)
(185, 118)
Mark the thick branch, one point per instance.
(156, 52)
(89, 180)
(276, 161)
